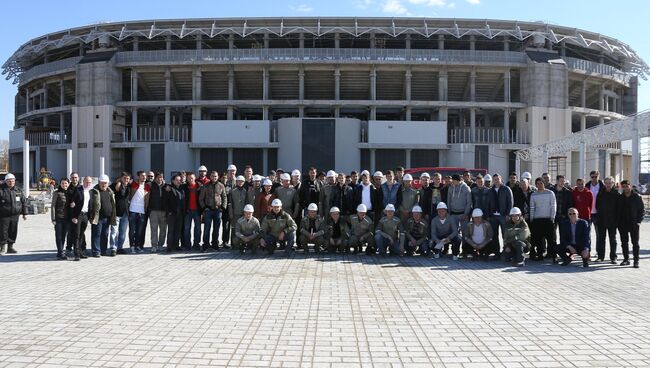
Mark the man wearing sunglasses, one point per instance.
(574, 239)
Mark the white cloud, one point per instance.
(474, 2)
(436, 3)
(451, 6)
(362, 4)
(302, 8)
(395, 7)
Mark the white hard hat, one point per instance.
(9, 176)
(487, 177)
(232, 167)
(389, 207)
(330, 174)
(365, 172)
(285, 176)
(477, 213)
(295, 173)
(416, 209)
(441, 205)
(276, 203)
(312, 207)
(267, 182)
(378, 174)
(407, 177)
(104, 178)
(362, 208)
(515, 211)
(257, 178)
(526, 175)
(203, 168)
(249, 208)
(424, 175)
(334, 209)
(240, 178)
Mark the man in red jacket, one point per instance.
(583, 200)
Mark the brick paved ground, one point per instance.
(220, 309)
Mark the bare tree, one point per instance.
(4, 154)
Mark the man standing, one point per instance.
(481, 196)
(80, 218)
(369, 196)
(574, 239)
(563, 199)
(175, 205)
(101, 215)
(139, 202)
(12, 205)
(631, 212)
(606, 221)
(157, 213)
(542, 214)
(278, 227)
(438, 192)
(309, 190)
(118, 231)
(500, 205)
(595, 185)
(426, 196)
(213, 202)
(239, 198)
(230, 184)
(247, 231)
(582, 200)
(74, 195)
(203, 178)
(325, 196)
(391, 193)
(342, 198)
(192, 214)
(289, 197)
(459, 201)
(409, 198)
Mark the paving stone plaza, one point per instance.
(222, 309)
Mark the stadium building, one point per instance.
(341, 93)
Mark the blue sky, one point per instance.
(21, 21)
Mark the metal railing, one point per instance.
(487, 135)
(154, 134)
(55, 66)
(48, 138)
(598, 68)
(219, 56)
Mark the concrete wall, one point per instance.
(413, 132)
(289, 138)
(178, 156)
(238, 131)
(348, 155)
(498, 160)
(91, 133)
(56, 163)
(545, 85)
(459, 155)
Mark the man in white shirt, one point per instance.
(139, 200)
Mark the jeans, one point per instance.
(99, 234)
(211, 217)
(517, 249)
(118, 232)
(383, 243)
(158, 227)
(497, 221)
(136, 229)
(174, 230)
(192, 216)
(628, 231)
(542, 234)
(225, 224)
(60, 231)
(289, 239)
(604, 230)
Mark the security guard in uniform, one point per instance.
(361, 231)
(12, 205)
(416, 233)
(387, 233)
(247, 231)
(312, 230)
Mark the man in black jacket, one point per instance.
(12, 205)
(426, 196)
(175, 206)
(631, 212)
(157, 210)
(73, 196)
(607, 207)
(309, 190)
(117, 235)
(501, 202)
(366, 193)
(342, 196)
(563, 199)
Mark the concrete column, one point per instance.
(265, 113)
(28, 108)
(442, 85)
(442, 114)
(636, 154)
(601, 98)
(337, 40)
(472, 125)
(265, 83)
(337, 112)
(506, 86)
(408, 41)
(197, 81)
(136, 43)
(583, 122)
(441, 42)
(46, 121)
(102, 166)
(45, 96)
(26, 166)
(337, 83)
(408, 112)
(230, 113)
(606, 103)
(408, 158)
(266, 40)
(472, 85)
(506, 125)
(545, 162)
(301, 111)
(517, 164)
(134, 85)
(82, 49)
(68, 161)
(583, 96)
(168, 42)
(407, 84)
(231, 41)
(301, 82)
(373, 164)
(601, 121)
(196, 113)
(168, 123)
(621, 164)
(199, 41)
(134, 124)
(301, 40)
(61, 93)
(265, 160)
(168, 85)
(506, 43)
(581, 161)
(231, 83)
(372, 40)
(373, 83)
(230, 155)
(61, 128)
(472, 42)
(562, 48)
(373, 113)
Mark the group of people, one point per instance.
(382, 213)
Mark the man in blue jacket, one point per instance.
(574, 239)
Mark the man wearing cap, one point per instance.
(574, 239)
(516, 240)
(426, 196)
(387, 233)
(310, 190)
(247, 231)
(361, 231)
(325, 195)
(477, 235)
(289, 197)
(175, 205)
(481, 195)
(444, 231)
(139, 202)
(409, 198)
(278, 227)
(416, 234)
(101, 215)
(336, 233)
(203, 178)
(237, 199)
(459, 201)
(229, 184)
(369, 195)
(213, 202)
(312, 230)
(12, 205)
(500, 205)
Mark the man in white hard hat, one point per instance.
(247, 231)
(101, 215)
(12, 205)
(369, 195)
(361, 231)
(516, 242)
(310, 189)
(387, 233)
(237, 199)
(416, 233)
(312, 230)
(477, 235)
(487, 179)
(409, 198)
(226, 222)
(296, 176)
(337, 231)
(213, 202)
(289, 197)
(325, 195)
(203, 178)
(278, 227)
(444, 231)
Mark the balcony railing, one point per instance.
(154, 134)
(487, 135)
(598, 68)
(48, 138)
(53, 67)
(219, 56)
